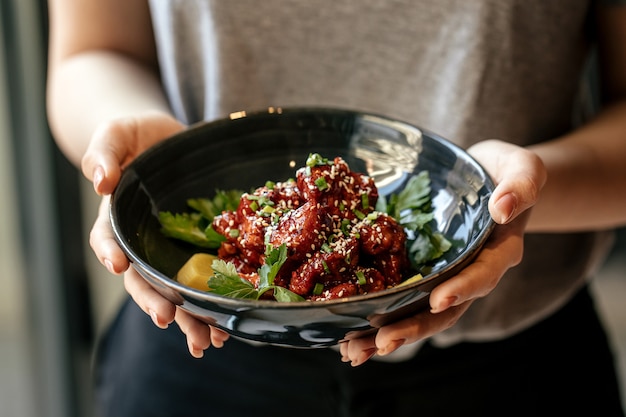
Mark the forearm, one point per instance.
(89, 88)
(586, 186)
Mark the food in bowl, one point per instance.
(323, 235)
(242, 152)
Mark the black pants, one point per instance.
(562, 366)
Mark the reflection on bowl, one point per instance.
(244, 152)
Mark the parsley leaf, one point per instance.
(285, 296)
(412, 208)
(189, 227)
(226, 281)
(428, 246)
(222, 201)
(195, 227)
(274, 259)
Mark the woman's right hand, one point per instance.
(112, 147)
(116, 143)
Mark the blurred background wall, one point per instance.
(55, 299)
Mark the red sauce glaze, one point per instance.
(337, 244)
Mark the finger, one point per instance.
(218, 337)
(108, 149)
(515, 194)
(343, 349)
(418, 327)
(102, 241)
(116, 143)
(503, 250)
(519, 175)
(451, 299)
(198, 333)
(161, 311)
(358, 351)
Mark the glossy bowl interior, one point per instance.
(243, 153)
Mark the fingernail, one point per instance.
(98, 176)
(364, 356)
(155, 319)
(506, 205)
(445, 304)
(392, 346)
(109, 266)
(195, 351)
(218, 344)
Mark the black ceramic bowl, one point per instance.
(243, 153)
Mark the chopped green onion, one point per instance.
(233, 232)
(365, 201)
(361, 278)
(265, 201)
(319, 287)
(254, 206)
(270, 184)
(326, 268)
(359, 215)
(316, 159)
(321, 183)
(344, 226)
(326, 247)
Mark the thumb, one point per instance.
(519, 175)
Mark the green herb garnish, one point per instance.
(226, 281)
(316, 159)
(361, 278)
(195, 227)
(412, 208)
(321, 183)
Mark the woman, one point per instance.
(502, 335)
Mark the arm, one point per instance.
(100, 68)
(572, 183)
(105, 106)
(587, 168)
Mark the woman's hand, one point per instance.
(520, 176)
(113, 146)
(116, 143)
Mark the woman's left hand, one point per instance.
(519, 176)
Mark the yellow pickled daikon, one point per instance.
(196, 271)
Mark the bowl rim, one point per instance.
(451, 268)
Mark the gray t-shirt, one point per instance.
(467, 70)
